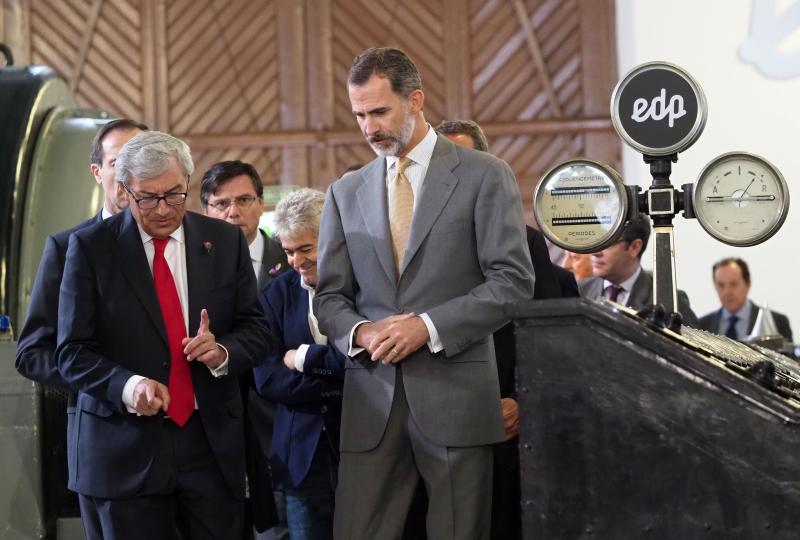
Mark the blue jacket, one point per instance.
(307, 401)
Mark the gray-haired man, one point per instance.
(157, 315)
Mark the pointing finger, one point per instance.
(203, 322)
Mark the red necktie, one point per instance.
(180, 387)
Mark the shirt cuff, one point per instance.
(222, 369)
(127, 392)
(434, 343)
(354, 349)
(300, 357)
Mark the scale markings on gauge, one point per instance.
(580, 205)
(741, 199)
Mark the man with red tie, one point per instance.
(157, 317)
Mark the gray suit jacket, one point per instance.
(641, 295)
(466, 257)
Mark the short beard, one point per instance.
(400, 140)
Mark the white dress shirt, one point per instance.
(175, 255)
(313, 325)
(420, 157)
(257, 252)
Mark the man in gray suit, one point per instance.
(419, 251)
(618, 273)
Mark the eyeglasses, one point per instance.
(150, 202)
(245, 201)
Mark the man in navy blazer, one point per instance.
(303, 375)
(158, 443)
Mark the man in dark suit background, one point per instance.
(233, 191)
(552, 281)
(303, 374)
(157, 317)
(619, 276)
(737, 315)
(36, 348)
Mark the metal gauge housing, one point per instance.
(581, 205)
(741, 199)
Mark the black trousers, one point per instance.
(195, 501)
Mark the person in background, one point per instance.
(157, 316)
(580, 264)
(36, 348)
(303, 375)
(736, 316)
(619, 276)
(232, 191)
(35, 358)
(552, 281)
(419, 251)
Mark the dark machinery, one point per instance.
(631, 430)
(45, 187)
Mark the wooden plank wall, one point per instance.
(264, 80)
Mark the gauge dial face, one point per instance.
(741, 199)
(580, 205)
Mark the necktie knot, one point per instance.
(613, 291)
(160, 244)
(402, 165)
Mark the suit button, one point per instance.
(323, 409)
(165, 364)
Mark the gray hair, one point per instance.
(297, 212)
(149, 154)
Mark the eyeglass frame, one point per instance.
(242, 201)
(157, 198)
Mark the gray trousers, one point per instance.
(376, 487)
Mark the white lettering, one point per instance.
(658, 109)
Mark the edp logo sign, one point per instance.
(658, 109)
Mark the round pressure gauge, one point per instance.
(741, 199)
(581, 205)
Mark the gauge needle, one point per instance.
(748, 187)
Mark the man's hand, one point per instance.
(203, 346)
(398, 339)
(510, 417)
(288, 358)
(149, 396)
(365, 333)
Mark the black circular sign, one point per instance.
(658, 109)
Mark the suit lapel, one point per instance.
(437, 187)
(753, 316)
(129, 253)
(199, 270)
(374, 207)
(263, 273)
(642, 293)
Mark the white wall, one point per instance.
(746, 111)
